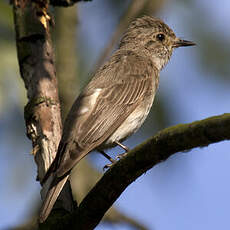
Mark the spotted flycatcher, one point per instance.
(115, 102)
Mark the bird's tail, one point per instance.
(54, 190)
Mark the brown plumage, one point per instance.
(115, 102)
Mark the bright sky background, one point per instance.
(188, 191)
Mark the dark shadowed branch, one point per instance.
(142, 158)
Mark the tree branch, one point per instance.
(153, 151)
(36, 62)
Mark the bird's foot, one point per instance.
(108, 166)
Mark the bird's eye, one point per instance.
(160, 37)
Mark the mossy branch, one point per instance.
(142, 158)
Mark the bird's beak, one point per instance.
(179, 42)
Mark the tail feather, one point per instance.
(51, 196)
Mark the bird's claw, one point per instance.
(108, 166)
(118, 157)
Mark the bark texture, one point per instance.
(36, 62)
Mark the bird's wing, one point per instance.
(103, 106)
(110, 97)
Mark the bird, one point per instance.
(115, 102)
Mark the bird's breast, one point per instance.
(133, 122)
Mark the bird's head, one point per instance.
(154, 38)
